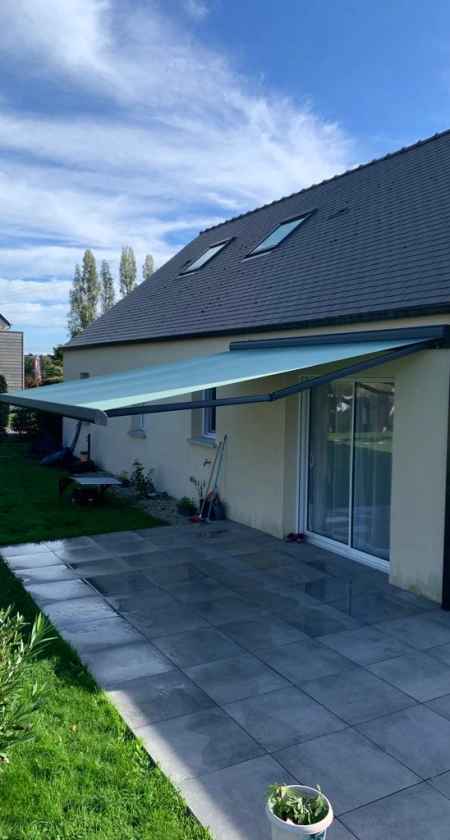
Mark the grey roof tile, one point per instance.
(388, 251)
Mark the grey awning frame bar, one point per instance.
(392, 355)
(440, 332)
(75, 412)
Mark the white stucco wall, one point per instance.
(260, 477)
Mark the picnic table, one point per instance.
(100, 481)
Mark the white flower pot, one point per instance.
(282, 830)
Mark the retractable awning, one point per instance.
(118, 394)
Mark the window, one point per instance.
(84, 375)
(205, 257)
(278, 235)
(209, 414)
(138, 425)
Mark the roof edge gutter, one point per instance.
(440, 333)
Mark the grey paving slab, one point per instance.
(72, 543)
(103, 633)
(177, 573)
(318, 619)
(222, 610)
(418, 737)
(419, 675)
(283, 718)
(297, 575)
(265, 559)
(83, 555)
(198, 743)
(230, 800)
(329, 589)
(66, 614)
(46, 573)
(405, 815)
(440, 705)
(157, 697)
(338, 831)
(252, 580)
(357, 696)
(235, 678)
(440, 616)
(94, 568)
(142, 603)
(332, 565)
(8, 551)
(221, 564)
(186, 555)
(304, 660)
(365, 645)
(121, 583)
(198, 646)
(126, 662)
(61, 590)
(165, 621)
(441, 652)
(352, 770)
(262, 632)
(37, 561)
(417, 632)
(279, 601)
(441, 783)
(190, 592)
(130, 549)
(148, 560)
(371, 609)
(120, 538)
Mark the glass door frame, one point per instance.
(343, 549)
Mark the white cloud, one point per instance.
(163, 137)
(196, 9)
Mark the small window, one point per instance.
(84, 375)
(138, 425)
(205, 257)
(209, 414)
(278, 235)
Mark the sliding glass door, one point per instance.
(350, 464)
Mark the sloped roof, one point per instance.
(5, 321)
(376, 246)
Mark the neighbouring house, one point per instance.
(314, 333)
(11, 355)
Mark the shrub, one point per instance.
(141, 480)
(24, 422)
(4, 409)
(18, 700)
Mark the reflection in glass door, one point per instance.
(350, 464)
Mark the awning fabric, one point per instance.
(91, 399)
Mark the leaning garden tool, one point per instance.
(214, 493)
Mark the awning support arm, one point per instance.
(392, 355)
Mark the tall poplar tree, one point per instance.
(84, 295)
(107, 294)
(127, 271)
(148, 267)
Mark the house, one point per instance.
(314, 333)
(11, 354)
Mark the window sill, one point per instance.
(203, 441)
(139, 433)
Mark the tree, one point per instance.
(148, 267)
(127, 271)
(84, 295)
(107, 294)
(53, 365)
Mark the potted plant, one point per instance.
(186, 506)
(298, 811)
(84, 455)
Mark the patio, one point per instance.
(240, 660)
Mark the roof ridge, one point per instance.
(347, 172)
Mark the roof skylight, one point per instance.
(278, 235)
(205, 257)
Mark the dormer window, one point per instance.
(279, 235)
(205, 257)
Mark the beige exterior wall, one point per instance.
(260, 476)
(11, 358)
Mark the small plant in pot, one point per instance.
(298, 811)
(186, 506)
(84, 455)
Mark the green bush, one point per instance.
(4, 409)
(141, 480)
(18, 698)
(24, 422)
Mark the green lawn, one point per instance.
(31, 510)
(84, 776)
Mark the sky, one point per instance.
(138, 122)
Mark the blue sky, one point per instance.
(141, 122)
